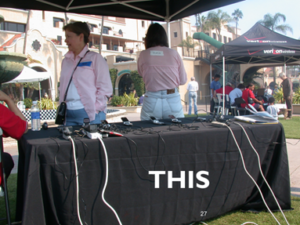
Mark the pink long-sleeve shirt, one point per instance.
(161, 68)
(91, 78)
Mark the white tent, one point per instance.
(30, 75)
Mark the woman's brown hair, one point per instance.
(156, 36)
(79, 28)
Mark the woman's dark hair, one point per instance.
(79, 28)
(156, 36)
(241, 86)
(249, 85)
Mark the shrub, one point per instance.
(279, 96)
(138, 82)
(296, 97)
(113, 76)
(46, 103)
(130, 100)
(117, 100)
(27, 103)
(126, 100)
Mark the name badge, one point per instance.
(157, 53)
(85, 64)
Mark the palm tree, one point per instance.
(216, 20)
(201, 22)
(237, 14)
(188, 43)
(272, 22)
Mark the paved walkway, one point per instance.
(293, 146)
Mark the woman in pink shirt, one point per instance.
(162, 71)
(91, 85)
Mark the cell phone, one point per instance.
(174, 119)
(124, 119)
(153, 118)
(156, 121)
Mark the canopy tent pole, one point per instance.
(168, 23)
(284, 65)
(40, 90)
(224, 98)
(168, 34)
(210, 79)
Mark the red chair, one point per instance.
(3, 184)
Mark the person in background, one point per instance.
(162, 71)
(215, 85)
(228, 89)
(91, 85)
(141, 99)
(193, 88)
(236, 93)
(248, 93)
(268, 91)
(272, 108)
(287, 88)
(13, 124)
(276, 89)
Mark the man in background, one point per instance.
(215, 85)
(287, 88)
(236, 93)
(228, 89)
(193, 88)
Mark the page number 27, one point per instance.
(203, 213)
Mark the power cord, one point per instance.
(258, 158)
(68, 137)
(244, 166)
(106, 178)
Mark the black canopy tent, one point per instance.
(258, 45)
(158, 10)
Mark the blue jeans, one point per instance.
(193, 97)
(75, 117)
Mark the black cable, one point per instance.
(55, 159)
(162, 156)
(128, 139)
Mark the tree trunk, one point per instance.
(21, 92)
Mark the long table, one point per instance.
(46, 180)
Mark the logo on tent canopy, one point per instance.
(279, 51)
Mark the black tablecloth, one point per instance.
(46, 182)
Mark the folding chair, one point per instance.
(238, 102)
(3, 184)
(227, 103)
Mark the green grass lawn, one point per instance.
(291, 126)
(232, 218)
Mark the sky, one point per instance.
(254, 10)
